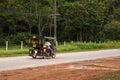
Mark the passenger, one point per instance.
(49, 46)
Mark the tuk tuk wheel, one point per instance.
(34, 56)
(54, 55)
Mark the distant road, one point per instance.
(11, 63)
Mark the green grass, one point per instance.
(108, 76)
(69, 47)
(11, 53)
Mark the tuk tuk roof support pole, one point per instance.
(55, 21)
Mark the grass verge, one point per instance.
(109, 76)
(68, 47)
(74, 47)
(11, 53)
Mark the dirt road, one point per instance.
(81, 70)
(12, 63)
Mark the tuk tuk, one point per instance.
(37, 49)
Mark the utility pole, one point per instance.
(55, 21)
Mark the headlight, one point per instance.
(35, 51)
(44, 46)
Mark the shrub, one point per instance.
(2, 39)
(17, 38)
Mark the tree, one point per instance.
(7, 18)
(76, 18)
(96, 19)
(112, 31)
(84, 19)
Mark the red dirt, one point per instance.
(71, 71)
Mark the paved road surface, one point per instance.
(12, 63)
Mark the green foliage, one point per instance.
(84, 19)
(77, 46)
(14, 50)
(14, 39)
(112, 31)
(76, 17)
(78, 20)
(12, 53)
(2, 39)
(17, 38)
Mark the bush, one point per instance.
(17, 38)
(14, 39)
(112, 31)
(2, 39)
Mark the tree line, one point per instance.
(77, 20)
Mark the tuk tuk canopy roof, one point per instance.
(41, 37)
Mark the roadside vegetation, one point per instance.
(109, 76)
(68, 47)
(77, 20)
(13, 51)
(74, 47)
(91, 22)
